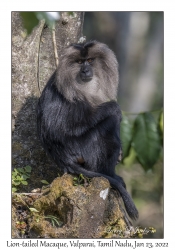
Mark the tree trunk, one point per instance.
(63, 210)
(33, 62)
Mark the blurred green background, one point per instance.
(137, 38)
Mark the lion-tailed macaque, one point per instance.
(79, 117)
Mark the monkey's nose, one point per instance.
(86, 74)
(85, 70)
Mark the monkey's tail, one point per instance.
(129, 204)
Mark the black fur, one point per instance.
(75, 130)
(84, 48)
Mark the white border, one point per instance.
(5, 96)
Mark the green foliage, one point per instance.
(141, 139)
(45, 182)
(160, 126)
(161, 121)
(80, 180)
(31, 19)
(71, 13)
(126, 135)
(32, 209)
(146, 140)
(19, 176)
(54, 220)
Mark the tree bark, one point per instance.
(33, 62)
(65, 210)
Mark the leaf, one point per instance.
(160, 126)
(28, 169)
(53, 219)
(14, 173)
(21, 170)
(24, 177)
(45, 182)
(81, 176)
(128, 161)
(18, 178)
(24, 182)
(32, 209)
(126, 133)
(14, 189)
(146, 140)
(37, 220)
(53, 223)
(71, 13)
(50, 17)
(16, 183)
(29, 20)
(161, 121)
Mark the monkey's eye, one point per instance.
(90, 60)
(80, 61)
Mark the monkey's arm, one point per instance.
(82, 117)
(72, 119)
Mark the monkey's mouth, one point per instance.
(86, 79)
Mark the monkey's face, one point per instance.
(80, 63)
(86, 71)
